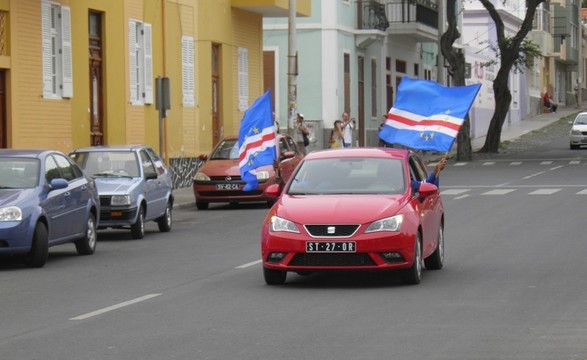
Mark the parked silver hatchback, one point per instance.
(578, 132)
(133, 184)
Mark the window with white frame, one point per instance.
(56, 34)
(141, 62)
(187, 70)
(243, 78)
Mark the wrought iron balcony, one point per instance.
(415, 18)
(371, 15)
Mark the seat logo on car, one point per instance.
(331, 229)
(228, 178)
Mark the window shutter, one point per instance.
(148, 70)
(243, 78)
(47, 52)
(67, 90)
(132, 49)
(187, 62)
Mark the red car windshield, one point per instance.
(349, 176)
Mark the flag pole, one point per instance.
(437, 171)
(277, 152)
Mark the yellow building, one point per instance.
(84, 72)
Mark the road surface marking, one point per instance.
(114, 307)
(488, 163)
(453, 191)
(498, 192)
(462, 197)
(516, 163)
(531, 176)
(582, 192)
(252, 263)
(460, 164)
(546, 162)
(544, 192)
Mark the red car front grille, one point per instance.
(331, 230)
(356, 259)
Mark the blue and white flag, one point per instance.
(427, 115)
(256, 140)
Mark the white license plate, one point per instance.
(227, 186)
(331, 247)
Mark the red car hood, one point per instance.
(226, 167)
(340, 209)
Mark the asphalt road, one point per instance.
(513, 286)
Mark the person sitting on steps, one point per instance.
(549, 103)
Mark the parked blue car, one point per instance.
(133, 184)
(45, 200)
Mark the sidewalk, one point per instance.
(184, 197)
(515, 130)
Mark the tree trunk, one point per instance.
(503, 99)
(509, 53)
(456, 60)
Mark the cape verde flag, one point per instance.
(427, 115)
(256, 140)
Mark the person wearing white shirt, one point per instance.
(348, 125)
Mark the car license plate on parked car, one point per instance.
(227, 186)
(330, 246)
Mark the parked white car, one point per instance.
(133, 184)
(578, 132)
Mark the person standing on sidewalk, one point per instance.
(348, 125)
(383, 143)
(302, 134)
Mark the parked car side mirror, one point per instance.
(288, 155)
(151, 175)
(273, 190)
(203, 157)
(58, 183)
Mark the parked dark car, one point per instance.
(133, 183)
(219, 179)
(45, 200)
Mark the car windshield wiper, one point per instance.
(105, 174)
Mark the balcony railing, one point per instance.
(412, 11)
(371, 15)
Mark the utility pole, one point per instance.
(292, 68)
(580, 62)
(441, 76)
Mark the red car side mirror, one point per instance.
(203, 157)
(427, 189)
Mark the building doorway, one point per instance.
(3, 119)
(96, 79)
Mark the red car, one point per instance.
(219, 179)
(354, 209)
